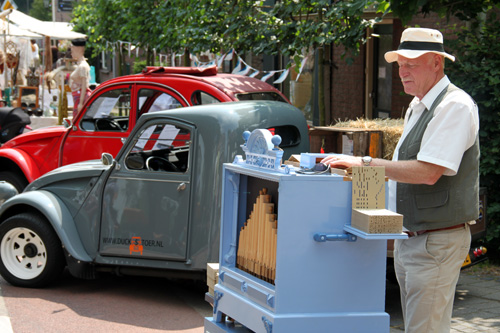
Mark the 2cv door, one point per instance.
(109, 117)
(146, 199)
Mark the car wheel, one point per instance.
(12, 178)
(31, 254)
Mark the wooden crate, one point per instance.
(212, 276)
(364, 141)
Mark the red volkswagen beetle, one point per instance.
(111, 112)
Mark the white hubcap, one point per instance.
(23, 253)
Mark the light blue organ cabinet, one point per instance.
(329, 277)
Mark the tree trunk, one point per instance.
(149, 57)
(120, 62)
(321, 87)
(187, 61)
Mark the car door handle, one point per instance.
(181, 187)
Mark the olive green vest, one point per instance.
(453, 199)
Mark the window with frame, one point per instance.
(161, 148)
(202, 98)
(152, 100)
(108, 112)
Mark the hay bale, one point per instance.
(392, 130)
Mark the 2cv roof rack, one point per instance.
(196, 71)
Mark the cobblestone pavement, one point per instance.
(476, 307)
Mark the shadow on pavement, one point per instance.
(108, 304)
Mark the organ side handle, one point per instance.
(323, 237)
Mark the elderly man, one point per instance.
(434, 181)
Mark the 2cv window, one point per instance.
(152, 100)
(261, 96)
(202, 98)
(108, 112)
(161, 148)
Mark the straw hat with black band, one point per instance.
(418, 41)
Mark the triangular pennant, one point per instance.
(229, 55)
(254, 74)
(220, 59)
(267, 76)
(238, 67)
(282, 77)
(302, 64)
(244, 71)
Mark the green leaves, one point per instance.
(477, 70)
(463, 9)
(288, 27)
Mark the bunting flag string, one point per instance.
(266, 74)
(241, 68)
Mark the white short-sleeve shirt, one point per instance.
(449, 134)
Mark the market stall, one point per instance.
(45, 84)
(15, 56)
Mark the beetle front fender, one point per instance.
(24, 162)
(55, 212)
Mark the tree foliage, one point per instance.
(288, 27)
(477, 70)
(464, 10)
(39, 11)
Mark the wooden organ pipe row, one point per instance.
(257, 244)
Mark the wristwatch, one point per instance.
(366, 160)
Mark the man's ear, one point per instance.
(438, 61)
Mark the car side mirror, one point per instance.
(66, 123)
(107, 159)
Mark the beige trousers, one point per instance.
(427, 268)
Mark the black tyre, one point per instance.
(31, 254)
(11, 177)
